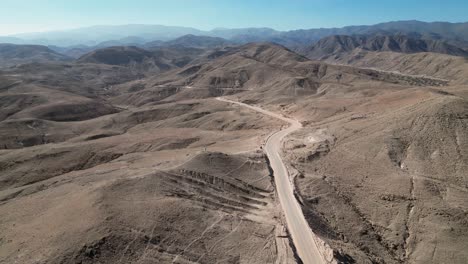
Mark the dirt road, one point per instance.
(302, 235)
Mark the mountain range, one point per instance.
(157, 56)
(140, 34)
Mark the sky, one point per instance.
(19, 16)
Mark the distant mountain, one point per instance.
(154, 43)
(12, 54)
(92, 36)
(12, 40)
(179, 56)
(138, 34)
(445, 30)
(127, 41)
(181, 44)
(159, 59)
(332, 45)
(240, 34)
(73, 51)
(119, 55)
(193, 41)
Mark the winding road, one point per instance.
(302, 236)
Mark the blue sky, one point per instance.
(17, 16)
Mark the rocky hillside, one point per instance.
(11, 54)
(334, 45)
(159, 59)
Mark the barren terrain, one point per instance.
(130, 158)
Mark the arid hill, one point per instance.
(152, 60)
(192, 41)
(127, 56)
(448, 67)
(335, 45)
(11, 54)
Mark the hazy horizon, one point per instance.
(58, 15)
(210, 29)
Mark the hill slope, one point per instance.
(11, 54)
(333, 45)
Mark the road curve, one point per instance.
(302, 235)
